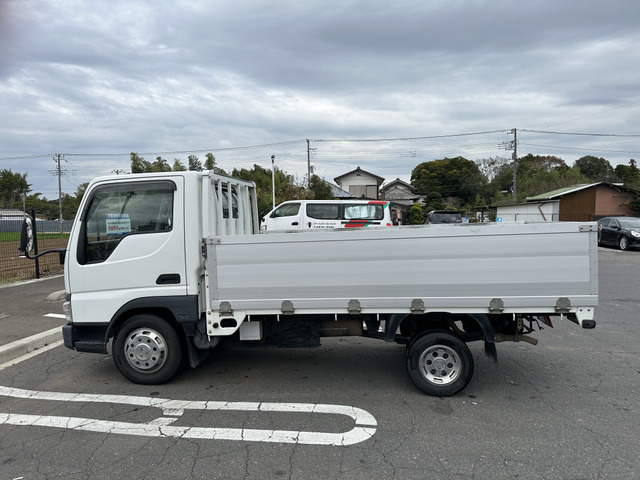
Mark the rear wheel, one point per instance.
(439, 363)
(147, 350)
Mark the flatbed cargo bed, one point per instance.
(538, 268)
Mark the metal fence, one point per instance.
(48, 237)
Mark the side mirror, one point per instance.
(26, 237)
(27, 242)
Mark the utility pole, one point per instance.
(308, 164)
(59, 192)
(514, 145)
(273, 179)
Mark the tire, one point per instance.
(623, 243)
(147, 350)
(439, 363)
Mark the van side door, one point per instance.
(323, 215)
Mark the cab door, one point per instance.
(129, 244)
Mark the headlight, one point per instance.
(66, 308)
(635, 234)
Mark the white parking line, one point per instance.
(365, 423)
(55, 315)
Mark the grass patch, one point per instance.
(15, 237)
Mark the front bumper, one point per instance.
(87, 338)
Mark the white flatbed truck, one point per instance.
(168, 266)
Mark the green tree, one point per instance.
(535, 174)
(139, 164)
(195, 165)
(629, 174)
(634, 205)
(319, 189)
(12, 187)
(160, 165)
(42, 206)
(286, 188)
(178, 166)
(416, 217)
(452, 178)
(596, 169)
(210, 164)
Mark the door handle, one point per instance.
(294, 223)
(168, 279)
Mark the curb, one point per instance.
(57, 296)
(27, 345)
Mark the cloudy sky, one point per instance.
(383, 85)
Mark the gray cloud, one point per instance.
(160, 76)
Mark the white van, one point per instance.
(326, 214)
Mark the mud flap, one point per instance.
(489, 336)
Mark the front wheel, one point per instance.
(439, 363)
(147, 350)
(623, 243)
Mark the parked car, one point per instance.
(443, 216)
(621, 232)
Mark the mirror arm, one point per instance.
(26, 254)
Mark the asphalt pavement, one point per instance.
(30, 316)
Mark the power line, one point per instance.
(184, 152)
(594, 114)
(582, 134)
(580, 149)
(401, 139)
(27, 157)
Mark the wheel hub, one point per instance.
(142, 352)
(440, 365)
(145, 350)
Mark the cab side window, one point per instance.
(287, 210)
(117, 211)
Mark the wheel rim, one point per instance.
(145, 350)
(623, 243)
(440, 365)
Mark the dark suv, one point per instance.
(443, 216)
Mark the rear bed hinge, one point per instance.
(563, 305)
(354, 306)
(417, 305)
(496, 305)
(287, 307)
(225, 309)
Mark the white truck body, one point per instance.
(169, 265)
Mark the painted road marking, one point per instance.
(364, 429)
(55, 315)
